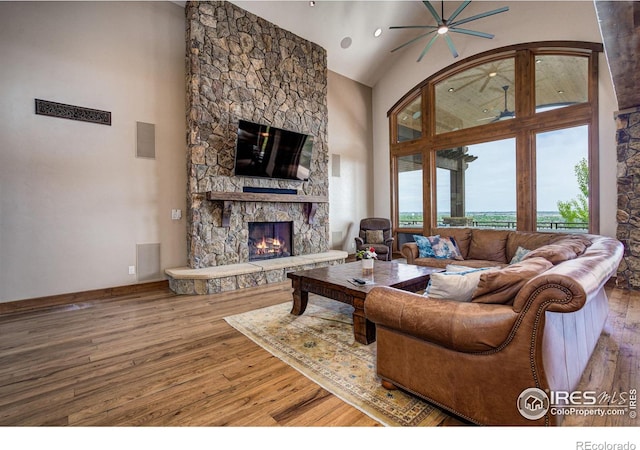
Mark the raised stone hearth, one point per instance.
(213, 280)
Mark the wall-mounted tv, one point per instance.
(266, 151)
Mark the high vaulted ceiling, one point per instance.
(329, 23)
(365, 60)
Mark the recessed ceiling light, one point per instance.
(451, 89)
(378, 32)
(538, 61)
(312, 3)
(560, 91)
(346, 42)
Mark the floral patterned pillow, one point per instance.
(445, 247)
(424, 247)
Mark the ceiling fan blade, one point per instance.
(412, 41)
(433, 12)
(451, 46)
(413, 26)
(472, 32)
(427, 47)
(480, 16)
(468, 83)
(458, 11)
(484, 85)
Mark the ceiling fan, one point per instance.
(444, 26)
(504, 114)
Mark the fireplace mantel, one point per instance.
(262, 197)
(229, 197)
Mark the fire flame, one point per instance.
(272, 247)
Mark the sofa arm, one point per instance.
(410, 251)
(359, 242)
(461, 326)
(567, 286)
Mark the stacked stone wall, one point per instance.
(628, 215)
(239, 66)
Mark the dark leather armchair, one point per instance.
(376, 232)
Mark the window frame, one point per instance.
(524, 127)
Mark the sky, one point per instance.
(491, 179)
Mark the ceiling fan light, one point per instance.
(443, 29)
(378, 32)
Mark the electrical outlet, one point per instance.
(176, 214)
(132, 270)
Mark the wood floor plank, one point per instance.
(153, 358)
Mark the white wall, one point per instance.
(350, 137)
(524, 22)
(74, 199)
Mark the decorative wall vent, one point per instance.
(62, 111)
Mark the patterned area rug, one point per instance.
(320, 345)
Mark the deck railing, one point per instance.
(506, 224)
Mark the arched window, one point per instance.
(505, 139)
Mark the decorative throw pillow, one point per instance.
(501, 286)
(458, 286)
(520, 253)
(458, 268)
(561, 250)
(445, 247)
(374, 237)
(424, 247)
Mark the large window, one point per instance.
(481, 94)
(507, 139)
(476, 185)
(410, 204)
(409, 123)
(562, 179)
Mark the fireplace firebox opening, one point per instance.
(269, 240)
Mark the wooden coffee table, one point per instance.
(335, 282)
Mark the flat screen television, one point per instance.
(266, 151)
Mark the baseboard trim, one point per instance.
(34, 304)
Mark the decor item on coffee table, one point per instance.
(376, 232)
(367, 256)
(340, 283)
(321, 346)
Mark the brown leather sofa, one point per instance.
(476, 359)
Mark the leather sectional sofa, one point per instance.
(476, 359)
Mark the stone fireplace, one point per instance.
(268, 240)
(241, 67)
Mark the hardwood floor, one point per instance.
(158, 359)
